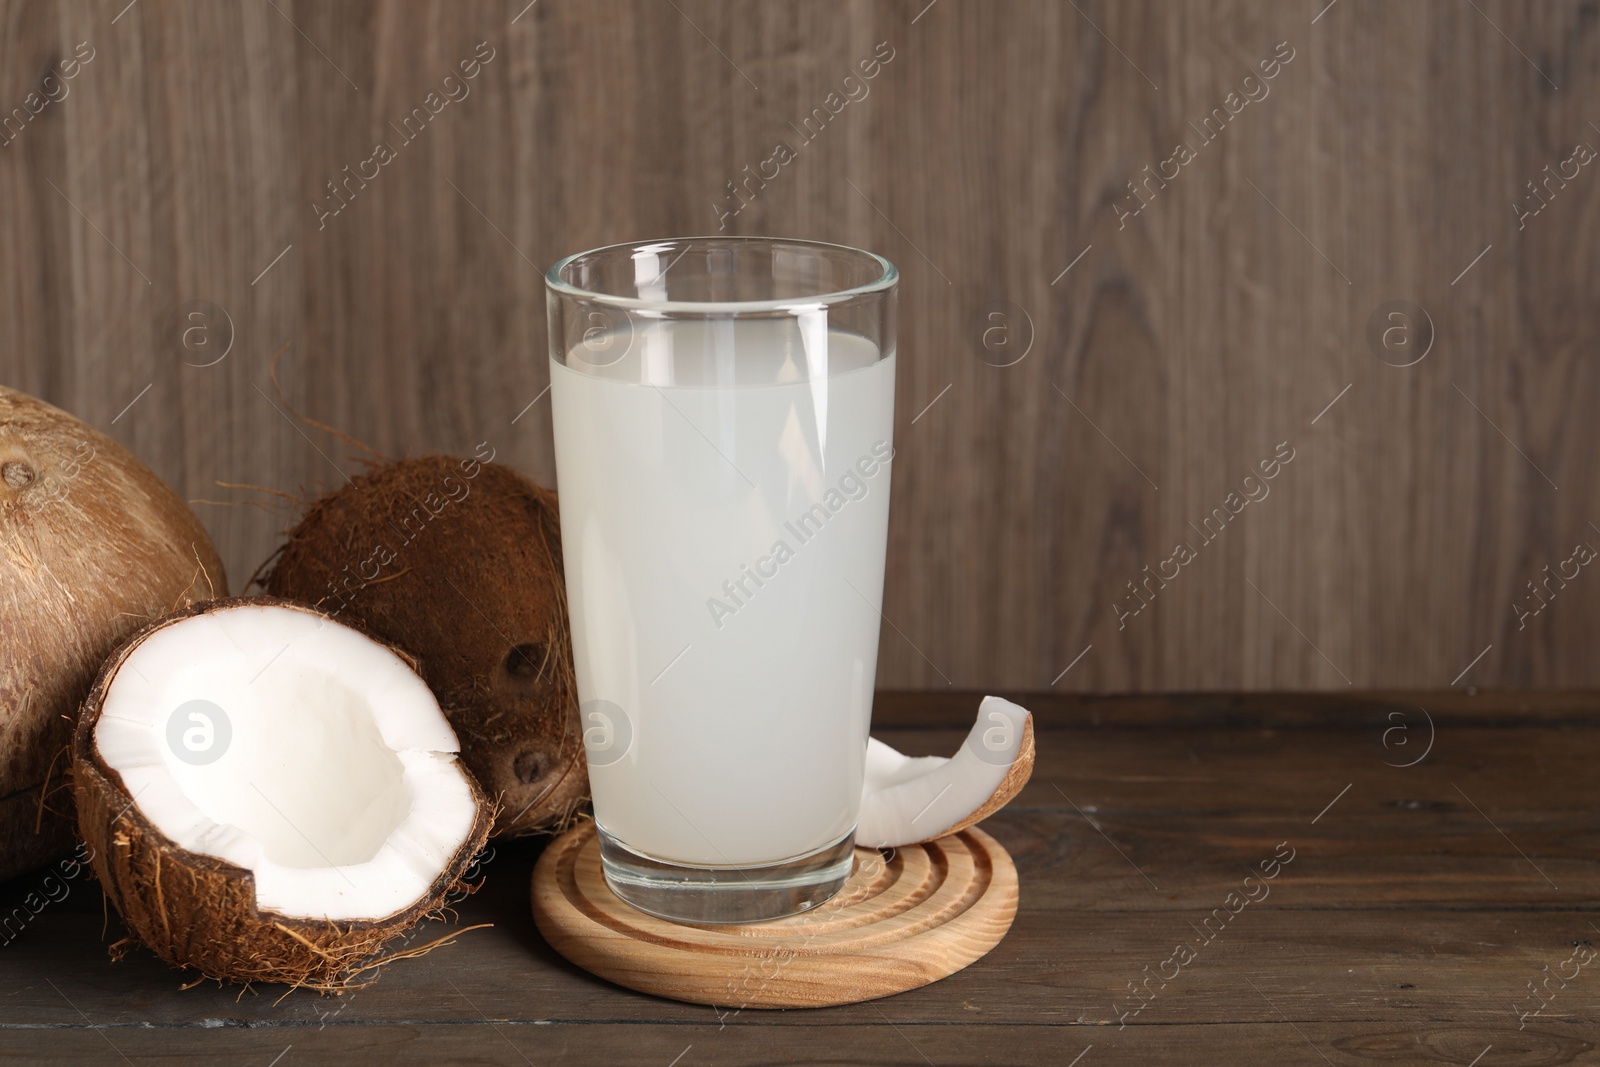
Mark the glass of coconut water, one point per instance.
(724, 413)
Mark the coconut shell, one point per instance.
(200, 912)
(92, 546)
(458, 562)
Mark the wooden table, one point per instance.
(1419, 904)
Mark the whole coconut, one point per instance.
(92, 547)
(458, 562)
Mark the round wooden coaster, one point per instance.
(901, 921)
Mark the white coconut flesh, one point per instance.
(330, 772)
(907, 799)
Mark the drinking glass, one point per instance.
(724, 413)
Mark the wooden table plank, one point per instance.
(1463, 966)
(660, 1045)
(1406, 928)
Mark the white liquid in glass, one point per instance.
(724, 553)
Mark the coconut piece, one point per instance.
(908, 800)
(271, 795)
(458, 562)
(92, 547)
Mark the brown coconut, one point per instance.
(200, 912)
(458, 561)
(92, 546)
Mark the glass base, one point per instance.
(726, 894)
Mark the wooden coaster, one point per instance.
(923, 913)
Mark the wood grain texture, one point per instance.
(898, 924)
(1406, 929)
(992, 151)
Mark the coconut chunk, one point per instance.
(907, 800)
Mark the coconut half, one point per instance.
(271, 795)
(907, 800)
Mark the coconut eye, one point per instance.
(17, 474)
(528, 767)
(525, 661)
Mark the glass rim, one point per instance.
(888, 277)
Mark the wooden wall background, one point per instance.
(991, 152)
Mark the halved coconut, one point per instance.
(270, 795)
(907, 800)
